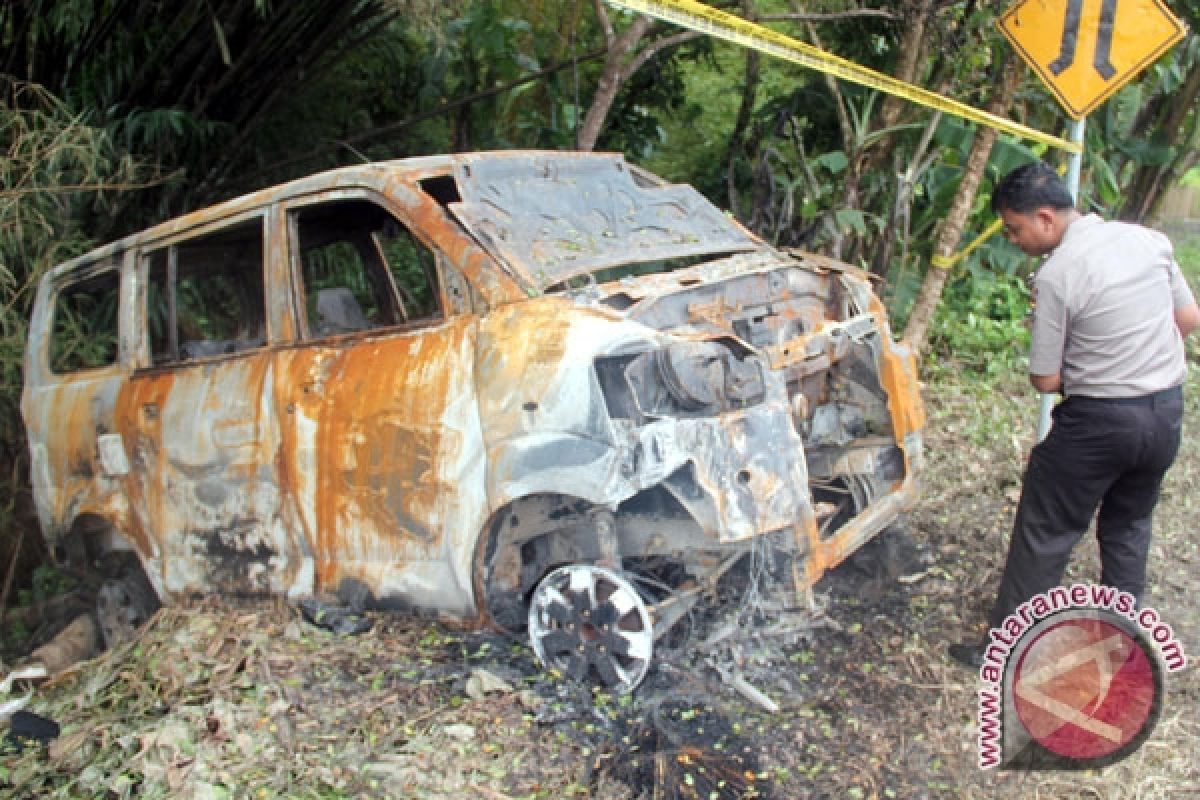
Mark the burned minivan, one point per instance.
(530, 390)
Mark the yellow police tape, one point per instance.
(705, 19)
(949, 262)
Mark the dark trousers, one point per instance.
(1107, 453)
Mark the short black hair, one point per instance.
(1030, 187)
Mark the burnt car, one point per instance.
(522, 389)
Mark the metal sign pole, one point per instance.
(1073, 167)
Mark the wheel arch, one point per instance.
(522, 541)
(94, 543)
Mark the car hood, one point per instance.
(553, 216)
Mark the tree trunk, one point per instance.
(917, 329)
(737, 136)
(610, 79)
(1150, 182)
(913, 49)
(908, 167)
(623, 60)
(850, 146)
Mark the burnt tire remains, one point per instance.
(591, 623)
(123, 604)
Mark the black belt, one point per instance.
(1141, 400)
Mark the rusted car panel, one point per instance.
(437, 379)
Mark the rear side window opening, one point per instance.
(205, 296)
(84, 331)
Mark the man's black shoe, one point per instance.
(969, 654)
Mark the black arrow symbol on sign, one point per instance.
(1066, 52)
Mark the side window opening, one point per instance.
(205, 295)
(362, 269)
(84, 334)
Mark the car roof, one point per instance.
(375, 174)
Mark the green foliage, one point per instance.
(48, 581)
(981, 325)
(490, 45)
(1143, 140)
(54, 168)
(85, 325)
(187, 86)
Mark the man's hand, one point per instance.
(1047, 384)
(1187, 319)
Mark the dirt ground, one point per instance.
(249, 702)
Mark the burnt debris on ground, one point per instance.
(217, 679)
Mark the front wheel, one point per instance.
(588, 621)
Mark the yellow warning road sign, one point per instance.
(1084, 50)
(706, 19)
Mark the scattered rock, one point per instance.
(460, 731)
(529, 700)
(481, 682)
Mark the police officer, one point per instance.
(1111, 310)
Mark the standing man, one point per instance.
(1111, 309)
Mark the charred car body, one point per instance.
(495, 386)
